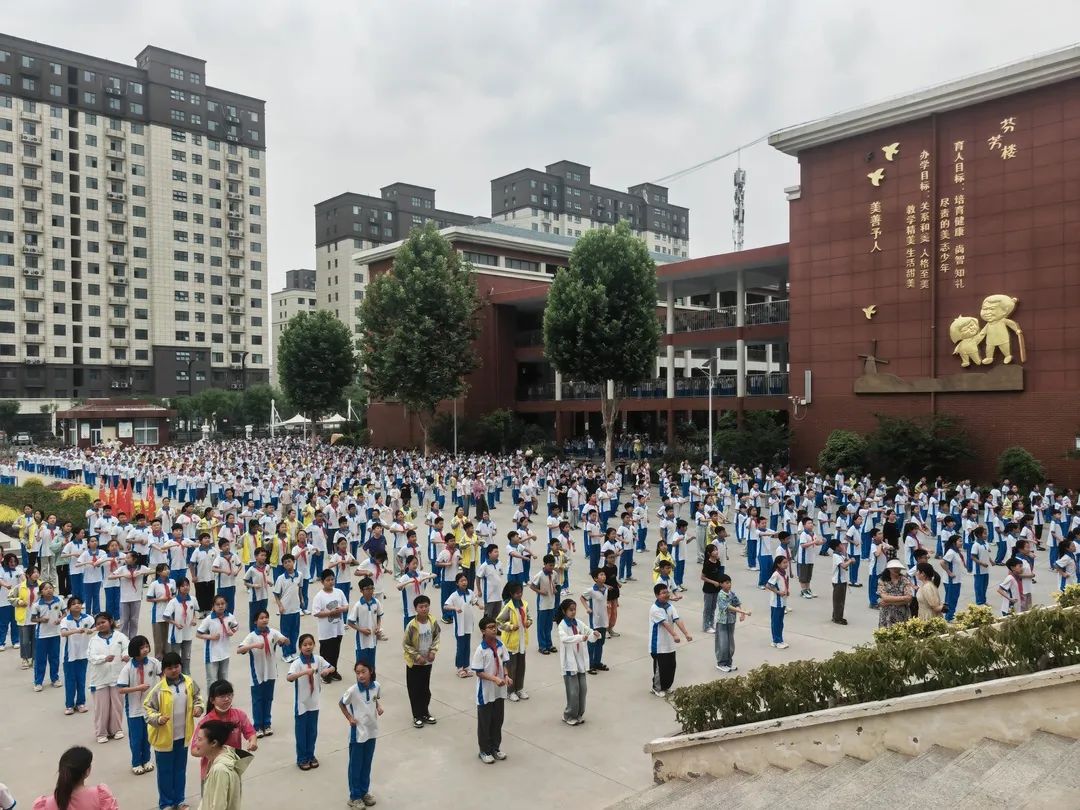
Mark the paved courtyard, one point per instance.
(590, 766)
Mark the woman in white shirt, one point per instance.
(574, 660)
(107, 654)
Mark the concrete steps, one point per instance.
(1041, 772)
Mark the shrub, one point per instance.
(903, 664)
(974, 616)
(34, 481)
(912, 628)
(8, 515)
(78, 491)
(65, 507)
(844, 450)
(1020, 467)
(917, 447)
(1070, 597)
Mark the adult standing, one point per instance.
(894, 595)
(222, 789)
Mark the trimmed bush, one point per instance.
(1020, 467)
(64, 506)
(844, 450)
(900, 664)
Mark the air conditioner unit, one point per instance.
(117, 196)
(30, 138)
(35, 361)
(32, 271)
(32, 250)
(236, 386)
(112, 91)
(232, 138)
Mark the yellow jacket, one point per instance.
(510, 626)
(159, 703)
(656, 565)
(248, 543)
(20, 593)
(411, 642)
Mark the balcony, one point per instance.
(529, 337)
(726, 317)
(118, 321)
(33, 316)
(117, 300)
(537, 393)
(115, 154)
(34, 294)
(113, 216)
(579, 390)
(115, 175)
(34, 361)
(35, 139)
(33, 227)
(768, 312)
(30, 160)
(236, 234)
(120, 238)
(234, 195)
(118, 342)
(26, 115)
(33, 339)
(119, 134)
(27, 183)
(767, 384)
(33, 250)
(32, 205)
(236, 253)
(758, 384)
(235, 310)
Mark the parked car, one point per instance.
(22, 439)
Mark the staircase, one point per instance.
(1042, 772)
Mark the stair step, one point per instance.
(735, 790)
(1049, 796)
(1031, 762)
(951, 784)
(655, 796)
(864, 781)
(1067, 773)
(817, 790)
(687, 788)
(708, 794)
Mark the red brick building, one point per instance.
(921, 207)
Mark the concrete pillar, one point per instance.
(670, 371)
(688, 362)
(558, 386)
(740, 368)
(670, 329)
(611, 389)
(740, 298)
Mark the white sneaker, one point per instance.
(487, 759)
(118, 735)
(659, 692)
(3, 647)
(37, 687)
(513, 697)
(570, 721)
(102, 739)
(522, 694)
(723, 668)
(781, 646)
(711, 630)
(138, 770)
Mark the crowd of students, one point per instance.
(297, 525)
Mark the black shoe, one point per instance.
(545, 652)
(839, 621)
(336, 676)
(854, 585)
(553, 649)
(602, 667)
(430, 720)
(591, 671)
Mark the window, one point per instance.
(176, 73)
(194, 78)
(145, 432)
(136, 88)
(177, 95)
(481, 258)
(177, 115)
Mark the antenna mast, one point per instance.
(738, 218)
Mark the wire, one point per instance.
(697, 166)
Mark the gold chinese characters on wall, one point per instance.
(994, 335)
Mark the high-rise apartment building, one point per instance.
(132, 226)
(562, 200)
(298, 296)
(350, 222)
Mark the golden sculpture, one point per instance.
(891, 150)
(966, 333)
(870, 311)
(876, 177)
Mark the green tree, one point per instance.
(1020, 467)
(843, 450)
(316, 359)
(600, 321)
(255, 404)
(915, 447)
(418, 323)
(9, 409)
(762, 439)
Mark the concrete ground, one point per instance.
(589, 766)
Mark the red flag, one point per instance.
(112, 496)
(151, 507)
(102, 494)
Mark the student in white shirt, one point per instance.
(663, 621)
(216, 630)
(460, 604)
(75, 631)
(307, 675)
(840, 563)
(226, 568)
(107, 654)
(411, 584)
(365, 617)
(136, 678)
(489, 662)
(259, 646)
(45, 614)
(489, 581)
(952, 563)
(329, 607)
(259, 579)
(182, 617)
(1011, 589)
(130, 576)
(287, 592)
(361, 706)
(574, 660)
(778, 586)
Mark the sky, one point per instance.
(450, 94)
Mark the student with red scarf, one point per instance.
(221, 709)
(259, 644)
(489, 662)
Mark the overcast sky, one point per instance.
(450, 94)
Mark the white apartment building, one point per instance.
(297, 296)
(132, 227)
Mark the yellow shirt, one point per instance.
(656, 565)
(248, 544)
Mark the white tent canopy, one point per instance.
(336, 419)
(296, 420)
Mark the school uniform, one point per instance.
(111, 585)
(490, 697)
(176, 704)
(1013, 586)
(574, 637)
(287, 589)
(420, 640)
(306, 692)
(662, 644)
(546, 599)
(340, 564)
(366, 614)
(361, 701)
(777, 603)
(202, 561)
(102, 676)
(447, 567)
(47, 638)
(263, 666)
(135, 673)
(839, 585)
(9, 583)
(162, 591)
(73, 658)
(220, 628)
(130, 581)
(181, 610)
(259, 581)
(489, 585)
(979, 561)
(954, 567)
(329, 629)
(460, 606)
(1066, 569)
(597, 599)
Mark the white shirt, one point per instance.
(74, 647)
(263, 663)
(132, 675)
(307, 688)
(460, 604)
(573, 649)
(366, 615)
(175, 612)
(287, 590)
(362, 704)
(221, 628)
(329, 627)
(102, 673)
(660, 640)
(493, 663)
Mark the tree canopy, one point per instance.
(418, 323)
(600, 322)
(316, 361)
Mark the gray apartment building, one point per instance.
(563, 200)
(132, 227)
(298, 296)
(350, 222)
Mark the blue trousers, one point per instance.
(776, 623)
(254, 606)
(1002, 550)
(229, 592)
(680, 572)
(543, 628)
(462, 654)
(262, 700)
(594, 557)
(172, 774)
(290, 628)
(446, 589)
(596, 649)
(872, 587)
(751, 553)
(75, 683)
(368, 656)
(1053, 555)
(952, 597)
(642, 533)
(360, 757)
(46, 650)
(853, 571)
(91, 597)
(138, 741)
(764, 564)
(980, 582)
(306, 730)
(112, 601)
(7, 622)
(626, 561)
(75, 585)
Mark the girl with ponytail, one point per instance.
(71, 792)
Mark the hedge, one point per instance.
(50, 501)
(900, 663)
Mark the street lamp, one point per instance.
(710, 368)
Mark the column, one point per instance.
(670, 349)
(688, 362)
(558, 386)
(740, 344)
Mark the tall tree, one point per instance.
(316, 359)
(418, 323)
(600, 321)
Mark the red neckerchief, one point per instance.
(1019, 584)
(224, 627)
(787, 587)
(494, 647)
(266, 583)
(168, 590)
(266, 639)
(311, 676)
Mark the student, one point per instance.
(594, 601)
(340, 562)
(221, 709)
(22, 597)
(447, 566)
(952, 563)
(226, 569)
(1011, 589)
(259, 646)
(879, 558)
(258, 579)
(114, 561)
(71, 791)
(172, 705)
(489, 581)
(662, 556)
(1065, 562)
(216, 630)
(979, 559)
(130, 576)
(411, 584)
(514, 623)
(545, 584)
(46, 614)
(91, 571)
(222, 788)
(489, 662)
(107, 653)
(420, 644)
(182, 618)
(301, 554)
(611, 577)
(460, 604)
(362, 708)
(728, 607)
(135, 679)
(202, 573)
(516, 555)
(711, 571)
(663, 620)
(328, 606)
(808, 545)
(75, 631)
(663, 576)
(159, 593)
(779, 588)
(841, 562)
(677, 542)
(306, 691)
(365, 617)
(287, 595)
(10, 577)
(574, 637)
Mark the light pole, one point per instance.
(455, 427)
(710, 369)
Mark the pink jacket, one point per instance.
(98, 797)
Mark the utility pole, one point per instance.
(738, 219)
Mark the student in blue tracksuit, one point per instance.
(75, 631)
(287, 593)
(545, 584)
(46, 614)
(135, 680)
(361, 706)
(952, 563)
(305, 674)
(259, 646)
(460, 605)
(979, 562)
(365, 617)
